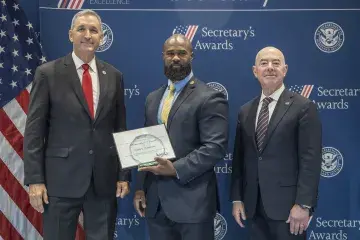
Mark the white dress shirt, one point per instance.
(94, 77)
(275, 96)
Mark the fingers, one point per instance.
(242, 212)
(239, 213)
(140, 207)
(137, 207)
(45, 197)
(160, 160)
(143, 202)
(36, 201)
(238, 220)
(301, 228)
(124, 191)
(296, 228)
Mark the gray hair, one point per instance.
(85, 12)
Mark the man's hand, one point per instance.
(122, 189)
(38, 195)
(164, 167)
(140, 202)
(298, 219)
(238, 212)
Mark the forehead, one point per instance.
(270, 54)
(176, 44)
(87, 19)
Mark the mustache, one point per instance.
(177, 74)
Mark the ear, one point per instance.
(101, 37)
(255, 71)
(285, 69)
(70, 36)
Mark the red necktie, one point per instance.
(87, 88)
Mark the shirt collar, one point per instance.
(275, 95)
(181, 84)
(78, 62)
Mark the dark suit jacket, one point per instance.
(288, 168)
(63, 146)
(198, 131)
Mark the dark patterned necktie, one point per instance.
(263, 123)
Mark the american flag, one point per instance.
(189, 31)
(70, 4)
(20, 54)
(303, 90)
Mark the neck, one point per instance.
(85, 57)
(268, 91)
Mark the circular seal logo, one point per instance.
(108, 38)
(218, 87)
(332, 162)
(220, 226)
(329, 37)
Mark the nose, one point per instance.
(87, 34)
(176, 58)
(270, 66)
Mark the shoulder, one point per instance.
(300, 100)
(109, 67)
(49, 68)
(206, 91)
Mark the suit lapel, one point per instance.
(103, 86)
(188, 89)
(281, 108)
(155, 104)
(72, 77)
(250, 121)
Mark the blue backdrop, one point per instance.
(320, 40)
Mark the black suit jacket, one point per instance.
(63, 146)
(198, 131)
(288, 168)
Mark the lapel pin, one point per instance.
(192, 82)
(287, 103)
(104, 72)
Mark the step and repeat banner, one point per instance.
(319, 39)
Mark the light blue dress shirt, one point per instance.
(179, 86)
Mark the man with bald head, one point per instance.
(179, 197)
(277, 156)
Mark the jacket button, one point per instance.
(260, 158)
(91, 152)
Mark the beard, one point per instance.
(177, 74)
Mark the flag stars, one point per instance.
(16, 6)
(28, 56)
(16, 22)
(2, 65)
(3, 3)
(3, 18)
(1, 49)
(14, 68)
(2, 33)
(13, 84)
(15, 37)
(27, 71)
(29, 41)
(15, 53)
(1, 81)
(29, 25)
(43, 59)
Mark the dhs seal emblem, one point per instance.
(329, 37)
(218, 87)
(220, 226)
(108, 38)
(332, 162)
